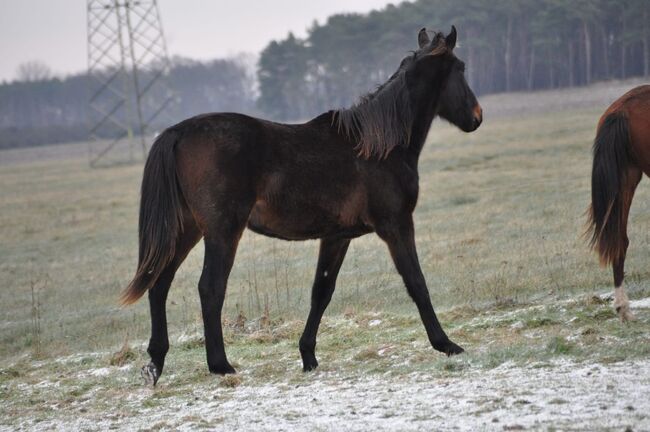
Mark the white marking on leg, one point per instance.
(325, 273)
(622, 304)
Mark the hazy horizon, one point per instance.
(55, 32)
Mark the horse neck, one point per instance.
(424, 113)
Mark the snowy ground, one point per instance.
(560, 366)
(551, 396)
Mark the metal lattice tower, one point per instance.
(127, 65)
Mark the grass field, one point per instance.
(498, 226)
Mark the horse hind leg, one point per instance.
(621, 301)
(221, 238)
(159, 341)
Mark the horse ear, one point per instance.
(450, 40)
(423, 38)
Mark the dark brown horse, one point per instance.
(343, 174)
(621, 157)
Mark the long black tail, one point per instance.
(161, 216)
(611, 160)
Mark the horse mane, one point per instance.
(383, 119)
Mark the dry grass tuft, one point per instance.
(123, 356)
(596, 300)
(370, 353)
(230, 381)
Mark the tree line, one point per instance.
(43, 110)
(508, 45)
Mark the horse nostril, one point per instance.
(478, 116)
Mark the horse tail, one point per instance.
(611, 150)
(161, 216)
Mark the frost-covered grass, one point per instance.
(498, 226)
(523, 364)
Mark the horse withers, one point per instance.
(341, 175)
(621, 156)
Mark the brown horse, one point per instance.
(343, 174)
(621, 157)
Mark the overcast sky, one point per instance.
(54, 31)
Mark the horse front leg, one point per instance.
(330, 257)
(400, 238)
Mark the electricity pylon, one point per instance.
(127, 65)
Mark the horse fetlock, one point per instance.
(306, 346)
(157, 352)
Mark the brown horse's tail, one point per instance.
(161, 216)
(611, 162)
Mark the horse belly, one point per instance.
(302, 222)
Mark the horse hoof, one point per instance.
(622, 305)
(150, 374)
(452, 349)
(222, 370)
(309, 365)
(625, 314)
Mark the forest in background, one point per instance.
(508, 45)
(39, 110)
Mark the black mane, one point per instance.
(383, 119)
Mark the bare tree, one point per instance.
(33, 70)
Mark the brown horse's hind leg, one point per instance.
(330, 258)
(159, 342)
(621, 302)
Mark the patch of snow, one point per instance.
(188, 337)
(374, 323)
(100, 372)
(607, 296)
(641, 303)
(47, 384)
(76, 358)
(517, 325)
